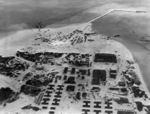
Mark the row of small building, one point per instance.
(74, 71)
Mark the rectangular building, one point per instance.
(105, 57)
(98, 75)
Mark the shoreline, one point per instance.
(137, 60)
(124, 42)
(129, 31)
